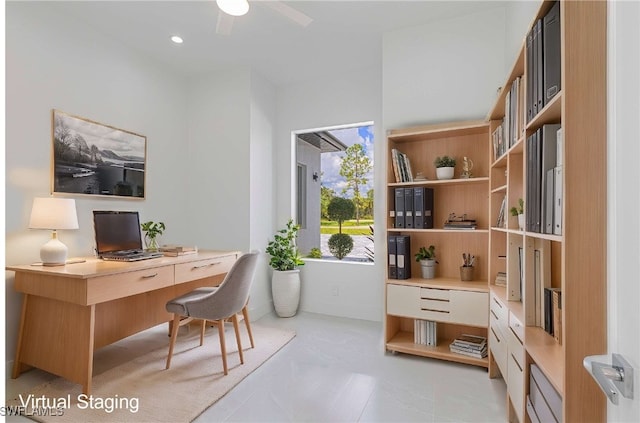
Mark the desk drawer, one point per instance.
(435, 305)
(199, 269)
(434, 293)
(106, 288)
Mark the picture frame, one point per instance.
(91, 158)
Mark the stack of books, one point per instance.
(470, 345)
(177, 250)
(460, 224)
(501, 279)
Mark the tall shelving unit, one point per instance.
(580, 107)
(462, 306)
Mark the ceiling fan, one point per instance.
(229, 9)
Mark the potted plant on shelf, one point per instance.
(427, 259)
(519, 212)
(151, 232)
(445, 166)
(285, 260)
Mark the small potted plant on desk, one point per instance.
(285, 260)
(445, 166)
(519, 212)
(427, 259)
(151, 232)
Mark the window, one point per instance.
(335, 163)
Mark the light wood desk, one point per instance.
(69, 311)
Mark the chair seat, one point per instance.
(177, 305)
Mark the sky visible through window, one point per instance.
(330, 162)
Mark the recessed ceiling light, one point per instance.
(176, 39)
(233, 7)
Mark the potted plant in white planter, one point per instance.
(519, 212)
(445, 166)
(285, 260)
(427, 259)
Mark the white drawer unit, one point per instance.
(463, 307)
(515, 385)
(498, 345)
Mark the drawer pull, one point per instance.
(435, 299)
(436, 311)
(494, 315)
(496, 335)
(516, 361)
(497, 302)
(205, 265)
(150, 276)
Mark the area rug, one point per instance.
(142, 390)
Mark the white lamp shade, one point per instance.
(53, 213)
(233, 7)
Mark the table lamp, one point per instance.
(53, 213)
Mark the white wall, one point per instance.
(346, 99)
(55, 62)
(443, 71)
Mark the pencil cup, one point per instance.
(466, 273)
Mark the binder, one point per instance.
(549, 210)
(423, 208)
(557, 194)
(537, 179)
(548, 156)
(393, 270)
(559, 147)
(408, 208)
(529, 59)
(529, 186)
(540, 65)
(534, 66)
(403, 256)
(399, 206)
(551, 52)
(548, 311)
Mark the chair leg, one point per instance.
(236, 328)
(202, 328)
(223, 347)
(245, 314)
(174, 334)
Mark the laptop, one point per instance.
(118, 236)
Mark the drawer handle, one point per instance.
(496, 335)
(436, 311)
(494, 315)
(497, 302)
(436, 299)
(150, 276)
(516, 361)
(205, 265)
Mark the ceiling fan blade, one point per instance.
(225, 23)
(289, 12)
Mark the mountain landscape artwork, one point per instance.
(95, 159)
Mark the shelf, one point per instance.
(459, 181)
(403, 342)
(547, 354)
(550, 237)
(446, 231)
(502, 188)
(496, 229)
(448, 283)
(439, 131)
(552, 113)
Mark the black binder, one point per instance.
(423, 208)
(540, 65)
(534, 68)
(393, 270)
(549, 147)
(408, 208)
(529, 184)
(551, 52)
(403, 256)
(529, 81)
(399, 207)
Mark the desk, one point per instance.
(69, 311)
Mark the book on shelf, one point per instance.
(460, 224)
(475, 354)
(401, 166)
(500, 222)
(177, 250)
(470, 340)
(425, 332)
(501, 279)
(557, 315)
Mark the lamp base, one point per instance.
(54, 252)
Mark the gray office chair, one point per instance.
(216, 306)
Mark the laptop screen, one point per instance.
(117, 231)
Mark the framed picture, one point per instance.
(94, 159)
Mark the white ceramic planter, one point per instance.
(521, 221)
(285, 288)
(428, 268)
(444, 172)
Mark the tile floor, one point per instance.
(335, 370)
